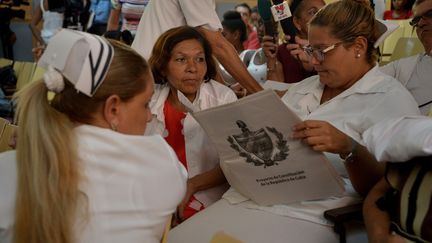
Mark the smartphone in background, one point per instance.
(290, 30)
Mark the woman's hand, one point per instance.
(239, 90)
(38, 51)
(322, 136)
(269, 47)
(190, 191)
(296, 50)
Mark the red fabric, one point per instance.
(174, 126)
(252, 42)
(292, 68)
(389, 15)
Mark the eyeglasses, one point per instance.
(427, 16)
(319, 54)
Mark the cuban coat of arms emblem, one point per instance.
(258, 147)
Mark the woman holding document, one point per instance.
(349, 94)
(183, 68)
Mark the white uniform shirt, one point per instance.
(374, 97)
(132, 184)
(401, 139)
(415, 73)
(201, 154)
(162, 15)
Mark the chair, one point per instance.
(389, 43)
(3, 123)
(341, 216)
(405, 47)
(5, 62)
(167, 228)
(24, 71)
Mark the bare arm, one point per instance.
(296, 50)
(228, 57)
(377, 222)
(203, 181)
(364, 164)
(274, 67)
(113, 20)
(37, 17)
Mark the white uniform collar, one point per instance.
(161, 94)
(366, 85)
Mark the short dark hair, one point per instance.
(165, 44)
(232, 21)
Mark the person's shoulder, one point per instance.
(405, 64)
(215, 90)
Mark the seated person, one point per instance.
(398, 208)
(349, 94)
(183, 68)
(415, 72)
(234, 29)
(400, 9)
(251, 41)
(84, 171)
(282, 66)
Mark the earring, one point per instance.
(358, 55)
(113, 126)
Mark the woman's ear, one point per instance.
(111, 111)
(297, 24)
(360, 45)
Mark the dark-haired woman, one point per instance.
(234, 29)
(183, 68)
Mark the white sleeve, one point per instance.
(390, 68)
(201, 13)
(401, 139)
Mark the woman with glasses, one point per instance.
(349, 94)
(414, 72)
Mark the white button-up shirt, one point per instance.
(201, 154)
(375, 97)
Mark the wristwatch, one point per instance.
(349, 158)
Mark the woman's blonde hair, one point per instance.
(349, 19)
(48, 194)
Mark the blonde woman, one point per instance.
(84, 172)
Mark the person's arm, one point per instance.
(203, 181)
(274, 67)
(364, 163)
(37, 17)
(377, 222)
(324, 137)
(296, 50)
(114, 19)
(228, 57)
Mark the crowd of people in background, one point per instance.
(121, 126)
